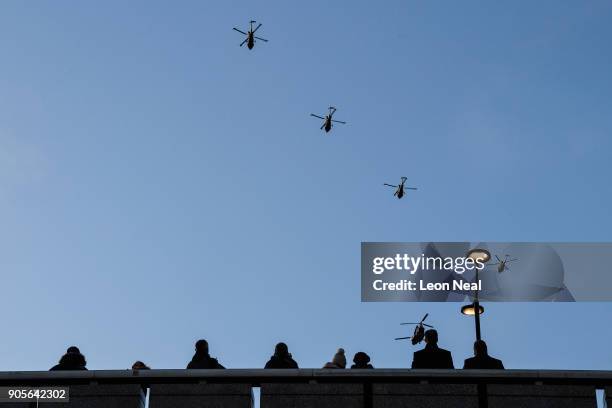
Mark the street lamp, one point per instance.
(474, 309)
(470, 310)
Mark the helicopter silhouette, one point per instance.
(503, 265)
(399, 192)
(250, 34)
(419, 331)
(327, 120)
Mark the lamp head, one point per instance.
(470, 310)
(479, 254)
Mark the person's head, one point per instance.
(361, 359)
(139, 365)
(339, 358)
(431, 337)
(201, 346)
(73, 360)
(73, 349)
(281, 350)
(480, 348)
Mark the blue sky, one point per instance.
(160, 184)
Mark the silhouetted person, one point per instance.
(432, 356)
(339, 360)
(361, 360)
(139, 365)
(201, 358)
(281, 358)
(72, 360)
(481, 359)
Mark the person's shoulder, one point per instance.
(469, 362)
(215, 363)
(497, 363)
(444, 351)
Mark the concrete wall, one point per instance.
(200, 396)
(94, 396)
(541, 396)
(313, 395)
(424, 396)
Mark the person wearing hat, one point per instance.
(361, 360)
(71, 361)
(339, 360)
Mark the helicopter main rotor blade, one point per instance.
(242, 43)
(317, 116)
(497, 257)
(322, 126)
(403, 338)
(402, 324)
(427, 325)
(257, 28)
(241, 32)
(262, 39)
(391, 185)
(410, 188)
(339, 121)
(424, 317)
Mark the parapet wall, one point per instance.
(305, 388)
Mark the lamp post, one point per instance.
(474, 309)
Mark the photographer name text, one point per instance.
(420, 285)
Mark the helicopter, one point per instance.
(327, 124)
(250, 40)
(419, 331)
(503, 265)
(400, 188)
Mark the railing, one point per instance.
(378, 388)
